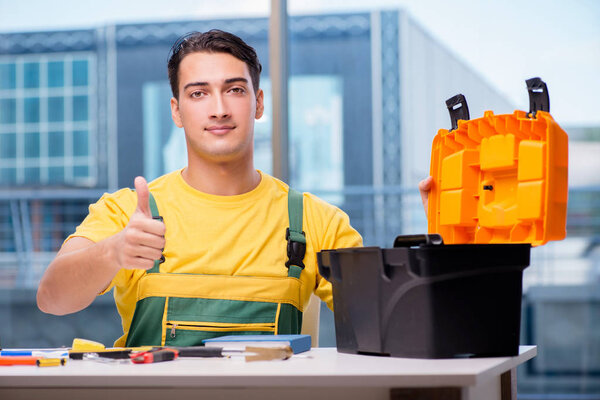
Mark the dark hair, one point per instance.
(213, 41)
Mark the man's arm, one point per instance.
(82, 268)
(80, 271)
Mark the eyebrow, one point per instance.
(227, 81)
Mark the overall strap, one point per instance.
(155, 215)
(296, 240)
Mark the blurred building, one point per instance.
(83, 112)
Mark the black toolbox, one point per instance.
(429, 300)
(499, 187)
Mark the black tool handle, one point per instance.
(200, 351)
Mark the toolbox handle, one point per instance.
(433, 239)
(458, 109)
(539, 100)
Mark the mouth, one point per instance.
(220, 129)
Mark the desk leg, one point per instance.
(449, 393)
(508, 385)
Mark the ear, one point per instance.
(175, 112)
(260, 103)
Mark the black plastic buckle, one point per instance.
(458, 109)
(162, 256)
(538, 96)
(295, 251)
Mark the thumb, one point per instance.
(143, 195)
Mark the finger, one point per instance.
(147, 225)
(424, 188)
(141, 263)
(425, 184)
(150, 240)
(143, 196)
(149, 253)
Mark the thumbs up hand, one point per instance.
(142, 240)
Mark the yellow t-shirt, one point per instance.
(223, 235)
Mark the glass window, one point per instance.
(8, 175)
(32, 109)
(56, 174)
(56, 74)
(80, 73)
(31, 75)
(80, 108)
(8, 76)
(32, 175)
(316, 133)
(32, 144)
(8, 145)
(80, 143)
(56, 144)
(8, 111)
(56, 109)
(81, 171)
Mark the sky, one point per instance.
(504, 41)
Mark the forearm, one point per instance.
(74, 278)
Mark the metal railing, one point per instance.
(34, 223)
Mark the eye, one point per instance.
(238, 90)
(197, 94)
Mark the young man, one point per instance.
(231, 244)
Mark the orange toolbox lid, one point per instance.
(500, 178)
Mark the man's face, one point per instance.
(216, 107)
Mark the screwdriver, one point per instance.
(251, 353)
(255, 353)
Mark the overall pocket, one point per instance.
(186, 333)
(189, 321)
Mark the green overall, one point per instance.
(184, 309)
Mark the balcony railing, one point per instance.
(34, 224)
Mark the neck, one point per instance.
(221, 179)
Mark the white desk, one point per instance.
(327, 374)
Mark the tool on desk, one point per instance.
(18, 360)
(46, 353)
(51, 362)
(251, 353)
(31, 360)
(79, 346)
(117, 353)
(105, 360)
(154, 356)
(86, 345)
(268, 353)
(83, 347)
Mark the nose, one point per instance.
(220, 108)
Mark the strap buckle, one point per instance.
(295, 251)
